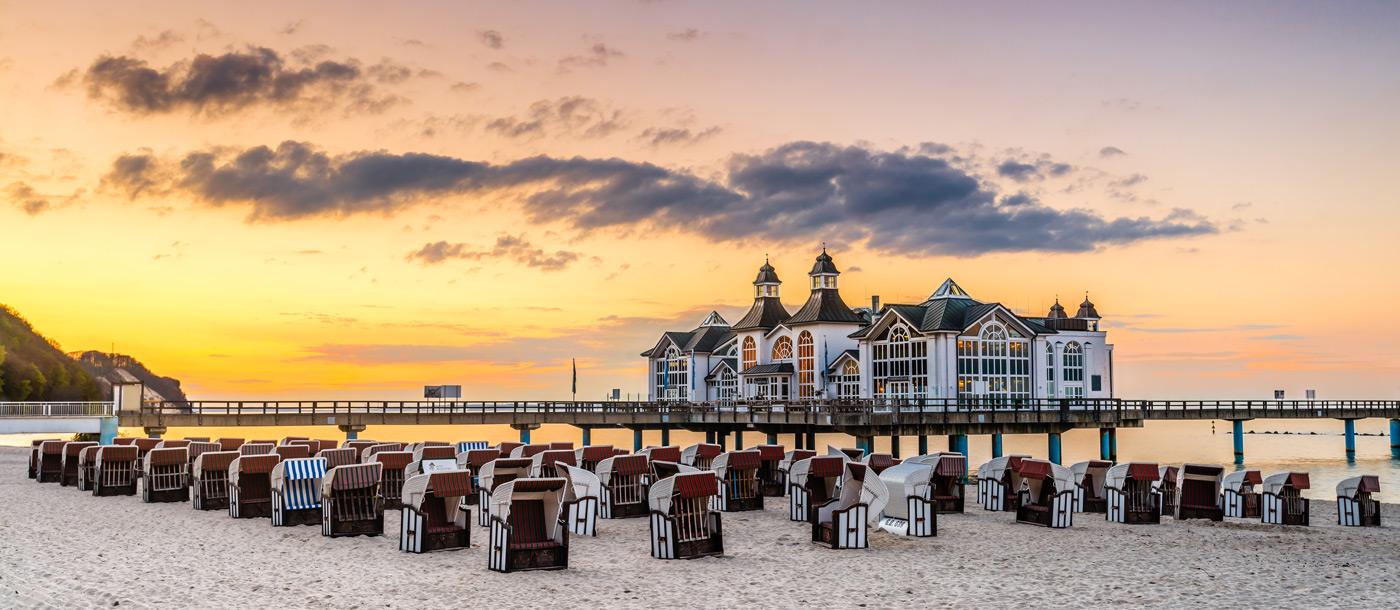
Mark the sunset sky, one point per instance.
(353, 199)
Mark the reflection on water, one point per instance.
(1176, 442)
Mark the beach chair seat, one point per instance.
(845, 522)
(250, 485)
(209, 480)
(1198, 492)
(700, 455)
(813, 482)
(911, 508)
(296, 491)
(998, 483)
(51, 462)
(492, 476)
(624, 486)
(391, 478)
(36, 455)
(115, 470)
(72, 465)
(525, 529)
(472, 460)
(579, 512)
(351, 504)
(87, 467)
(165, 477)
(1131, 493)
(1046, 495)
(1281, 499)
(682, 524)
(947, 481)
(1238, 497)
(738, 480)
(772, 480)
(1355, 506)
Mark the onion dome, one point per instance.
(1057, 311)
(824, 265)
(1086, 309)
(767, 275)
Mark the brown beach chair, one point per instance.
(433, 516)
(351, 504)
(682, 525)
(164, 477)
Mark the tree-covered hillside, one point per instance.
(33, 367)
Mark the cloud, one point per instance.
(159, 42)
(1017, 171)
(291, 27)
(1279, 337)
(597, 56)
(491, 38)
(509, 247)
(659, 136)
(575, 116)
(1111, 151)
(686, 35)
(903, 202)
(213, 85)
(26, 198)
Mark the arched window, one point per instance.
(1074, 369)
(901, 365)
(677, 381)
(1049, 369)
(728, 386)
(996, 364)
(750, 354)
(806, 366)
(782, 350)
(848, 384)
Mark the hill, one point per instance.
(33, 367)
(109, 368)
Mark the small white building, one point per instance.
(949, 346)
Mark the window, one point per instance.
(806, 366)
(782, 350)
(996, 364)
(728, 386)
(675, 377)
(767, 290)
(1096, 383)
(750, 354)
(1074, 363)
(900, 365)
(1049, 369)
(848, 382)
(823, 281)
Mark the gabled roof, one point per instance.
(849, 354)
(679, 339)
(780, 326)
(702, 340)
(947, 314)
(729, 363)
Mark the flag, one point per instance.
(574, 362)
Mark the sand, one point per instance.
(60, 548)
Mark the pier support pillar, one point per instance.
(352, 431)
(865, 444)
(996, 445)
(957, 443)
(771, 439)
(797, 441)
(1237, 427)
(587, 437)
(636, 440)
(811, 441)
(738, 440)
(107, 431)
(525, 431)
(154, 431)
(894, 445)
(1351, 439)
(1054, 447)
(1113, 444)
(1105, 451)
(923, 444)
(720, 438)
(1394, 438)
(665, 437)
(710, 437)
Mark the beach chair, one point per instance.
(738, 481)
(588, 457)
(144, 445)
(851, 453)
(624, 486)
(250, 485)
(465, 446)
(114, 473)
(473, 460)
(1088, 486)
(391, 475)
(507, 447)
(845, 522)
(545, 464)
(209, 480)
(682, 524)
(367, 454)
(35, 455)
(814, 482)
(1166, 488)
(947, 482)
(1355, 507)
(296, 491)
(433, 517)
(51, 462)
(525, 529)
(351, 504)
(528, 451)
(257, 449)
(1239, 498)
(431, 458)
(291, 439)
(879, 461)
(790, 458)
(72, 462)
(229, 444)
(359, 446)
(910, 510)
(173, 443)
(493, 475)
(1281, 501)
(335, 458)
(772, 481)
(124, 440)
(668, 453)
(197, 439)
(298, 451)
(163, 478)
(87, 467)
(1046, 495)
(561, 446)
(265, 441)
(324, 444)
(1131, 495)
(701, 455)
(581, 500)
(998, 482)
(1198, 492)
(196, 449)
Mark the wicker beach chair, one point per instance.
(1355, 507)
(813, 482)
(1088, 486)
(173, 443)
(144, 445)
(738, 481)
(298, 451)
(209, 480)
(588, 457)
(367, 454)
(1239, 498)
(473, 460)
(998, 481)
(1166, 488)
(947, 483)
(51, 462)
(879, 461)
(1281, 501)
(72, 462)
(909, 511)
(433, 517)
(87, 467)
(465, 446)
(431, 458)
(336, 458)
(682, 524)
(114, 473)
(772, 481)
(257, 449)
(581, 500)
(36, 455)
(250, 485)
(1129, 490)
(359, 446)
(391, 477)
(790, 458)
(229, 444)
(544, 465)
(624, 482)
(296, 491)
(701, 455)
(525, 529)
(351, 504)
(164, 475)
(1046, 495)
(493, 475)
(561, 446)
(1198, 492)
(507, 447)
(668, 453)
(845, 522)
(198, 448)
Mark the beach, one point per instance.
(62, 548)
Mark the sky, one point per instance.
(335, 200)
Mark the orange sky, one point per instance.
(1269, 131)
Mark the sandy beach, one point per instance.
(65, 549)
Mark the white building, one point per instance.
(949, 346)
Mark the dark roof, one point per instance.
(768, 369)
(1086, 309)
(767, 275)
(766, 313)
(947, 314)
(1057, 310)
(824, 264)
(825, 305)
(703, 340)
(850, 352)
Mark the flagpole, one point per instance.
(574, 363)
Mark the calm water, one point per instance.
(1323, 454)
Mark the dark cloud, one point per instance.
(1017, 171)
(686, 35)
(597, 56)
(464, 87)
(491, 38)
(507, 247)
(211, 85)
(24, 197)
(1111, 151)
(575, 116)
(902, 202)
(660, 136)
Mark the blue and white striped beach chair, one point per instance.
(296, 491)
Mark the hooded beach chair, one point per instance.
(1166, 488)
(173, 443)
(324, 444)
(391, 477)
(72, 462)
(1046, 495)
(51, 461)
(1239, 498)
(294, 452)
(209, 479)
(335, 458)
(291, 439)
(909, 511)
(844, 523)
(624, 486)
(507, 447)
(367, 454)
(1355, 507)
(701, 455)
(431, 458)
(164, 477)
(1129, 491)
(998, 482)
(581, 500)
(772, 481)
(229, 444)
(196, 449)
(790, 458)
(473, 460)
(1281, 501)
(115, 470)
(525, 529)
(668, 453)
(947, 482)
(465, 446)
(87, 467)
(814, 482)
(250, 485)
(36, 455)
(433, 517)
(561, 446)
(493, 475)
(588, 457)
(738, 481)
(879, 461)
(359, 446)
(257, 449)
(682, 524)
(1088, 486)
(351, 504)
(144, 445)
(851, 453)
(529, 451)
(296, 491)
(1198, 492)
(124, 440)
(544, 465)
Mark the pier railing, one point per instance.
(56, 409)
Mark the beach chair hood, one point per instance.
(700, 450)
(581, 483)
(352, 476)
(477, 457)
(299, 479)
(621, 465)
(860, 484)
(213, 461)
(1138, 471)
(1367, 483)
(669, 453)
(175, 456)
(336, 458)
(1276, 482)
(450, 485)
(820, 466)
(251, 464)
(256, 449)
(1235, 481)
(551, 457)
(736, 460)
(903, 481)
(549, 491)
(698, 484)
(518, 466)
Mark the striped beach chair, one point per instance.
(879, 461)
(51, 462)
(507, 447)
(909, 511)
(367, 454)
(561, 446)
(87, 467)
(701, 455)
(229, 444)
(431, 458)
(1088, 486)
(72, 462)
(351, 504)
(209, 480)
(198, 448)
(1046, 495)
(495, 473)
(1355, 507)
(465, 446)
(1129, 489)
(544, 465)
(1198, 492)
(173, 443)
(738, 481)
(998, 481)
(845, 522)
(623, 479)
(324, 444)
(525, 530)
(668, 453)
(771, 481)
(250, 485)
(1166, 488)
(35, 455)
(588, 457)
(144, 445)
(813, 482)
(1281, 501)
(581, 500)
(682, 524)
(298, 451)
(336, 458)
(124, 440)
(785, 465)
(391, 475)
(947, 483)
(114, 473)
(163, 477)
(296, 491)
(359, 446)
(1239, 498)
(473, 460)
(257, 449)
(529, 451)
(433, 517)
